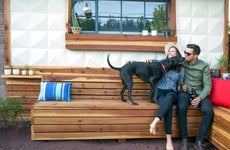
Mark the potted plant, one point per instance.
(153, 28)
(145, 30)
(223, 62)
(167, 31)
(31, 71)
(24, 70)
(7, 70)
(16, 70)
(76, 29)
(87, 11)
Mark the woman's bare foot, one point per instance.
(153, 125)
(169, 144)
(169, 147)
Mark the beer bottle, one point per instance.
(193, 94)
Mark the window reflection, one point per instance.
(121, 17)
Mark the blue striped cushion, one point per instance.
(55, 91)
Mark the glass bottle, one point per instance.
(193, 94)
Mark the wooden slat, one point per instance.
(105, 128)
(102, 135)
(98, 112)
(117, 42)
(102, 120)
(93, 113)
(22, 76)
(7, 37)
(219, 134)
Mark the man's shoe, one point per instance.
(199, 146)
(184, 144)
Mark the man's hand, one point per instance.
(195, 102)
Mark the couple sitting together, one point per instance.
(175, 87)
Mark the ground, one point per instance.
(11, 139)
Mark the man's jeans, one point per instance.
(206, 120)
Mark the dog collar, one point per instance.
(163, 66)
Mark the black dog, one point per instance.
(148, 72)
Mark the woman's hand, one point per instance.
(148, 60)
(183, 87)
(129, 61)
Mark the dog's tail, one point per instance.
(115, 68)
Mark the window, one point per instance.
(124, 17)
(107, 29)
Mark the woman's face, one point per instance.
(171, 52)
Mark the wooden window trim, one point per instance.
(100, 42)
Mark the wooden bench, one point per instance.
(219, 134)
(97, 112)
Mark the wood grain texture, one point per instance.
(219, 134)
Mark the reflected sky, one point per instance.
(113, 8)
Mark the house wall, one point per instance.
(38, 34)
(2, 81)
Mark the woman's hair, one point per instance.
(178, 54)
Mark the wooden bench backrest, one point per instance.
(99, 86)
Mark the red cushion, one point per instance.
(220, 93)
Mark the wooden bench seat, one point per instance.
(220, 130)
(97, 112)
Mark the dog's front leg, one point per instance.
(151, 94)
(153, 82)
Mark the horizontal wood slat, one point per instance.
(117, 42)
(103, 135)
(105, 128)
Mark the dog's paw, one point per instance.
(124, 100)
(152, 100)
(134, 103)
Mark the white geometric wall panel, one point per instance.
(38, 34)
(202, 22)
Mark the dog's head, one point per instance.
(172, 62)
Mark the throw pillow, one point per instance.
(220, 92)
(55, 91)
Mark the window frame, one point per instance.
(104, 42)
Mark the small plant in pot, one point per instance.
(223, 62)
(145, 31)
(16, 71)
(31, 71)
(24, 69)
(153, 28)
(76, 29)
(7, 70)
